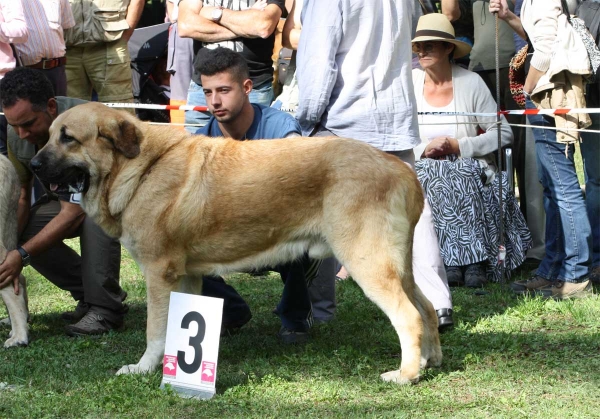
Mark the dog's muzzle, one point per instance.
(68, 180)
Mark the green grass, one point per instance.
(507, 357)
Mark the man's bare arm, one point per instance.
(292, 28)
(451, 9)
(60, 227)
(134, 13)
(191, 24)
(64, 225)
(251, 23)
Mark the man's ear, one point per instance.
(122, 134)
(247, 86)
(52, 107)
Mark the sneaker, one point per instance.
(529, 286)
(475, 275)
(560, 290)
(94, 323)
(289, 337)
(595, 275)
(455, 276)
(74, 316)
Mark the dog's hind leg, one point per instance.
(18, 313)
(378, 275)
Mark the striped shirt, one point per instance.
(46, 20)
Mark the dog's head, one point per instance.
(83, 145)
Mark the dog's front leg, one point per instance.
(18, 314)
(159, 291)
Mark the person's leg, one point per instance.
(568, 232)
(58, 78)
(322, 288)
(180, 65)
(109, 68)
(428, 266)
(195, 97)
(101, 264)
(590, 151)
(262, 95)
(60, 264)
(236, 312)
(294, 308)
(534, 200)
(79, 85)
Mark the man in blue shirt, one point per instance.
(226, 85)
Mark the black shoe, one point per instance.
(445, 321)
(289, 337)
(95, 323)
(455, 276)
(475, 275)
(74, 316)
(228, 329)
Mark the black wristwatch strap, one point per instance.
(25, 258)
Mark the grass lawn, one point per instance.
(507, 357)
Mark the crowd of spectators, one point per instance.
(356, 71)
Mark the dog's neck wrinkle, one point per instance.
(130, 180)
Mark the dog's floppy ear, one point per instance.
(123, 135)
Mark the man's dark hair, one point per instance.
(219, 60)
(24, 83)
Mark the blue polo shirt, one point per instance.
(268, 123)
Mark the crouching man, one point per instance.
(92, 278)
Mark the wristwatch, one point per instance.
(217, 13)
(25, 258)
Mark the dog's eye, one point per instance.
(66, 138)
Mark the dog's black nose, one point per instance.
(35, 164)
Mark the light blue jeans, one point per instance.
(590, 150)
(262, 95)
(568, 233)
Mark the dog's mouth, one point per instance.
(75, 180)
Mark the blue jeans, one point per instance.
(590, 150)
(568, 232)
(262, 95)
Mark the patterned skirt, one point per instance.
(466, 215)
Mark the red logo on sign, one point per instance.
(208, 373)
(170, 365)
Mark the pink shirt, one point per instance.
(12, 30)
(45, 21)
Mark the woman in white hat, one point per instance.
(456, 164)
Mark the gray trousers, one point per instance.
(92, 277)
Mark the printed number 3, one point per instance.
(195, 342)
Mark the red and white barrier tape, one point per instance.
(158, 107)
(490, 114)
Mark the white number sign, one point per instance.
(192, 345)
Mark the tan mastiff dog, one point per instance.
(185, 206)
(16, 304)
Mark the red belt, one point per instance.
(49, 63)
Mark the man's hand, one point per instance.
(10, 270)
(500, 7)
(441, 146)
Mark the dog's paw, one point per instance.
(396, 377)
(134, 369)
(5, 322)
(17, 340)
